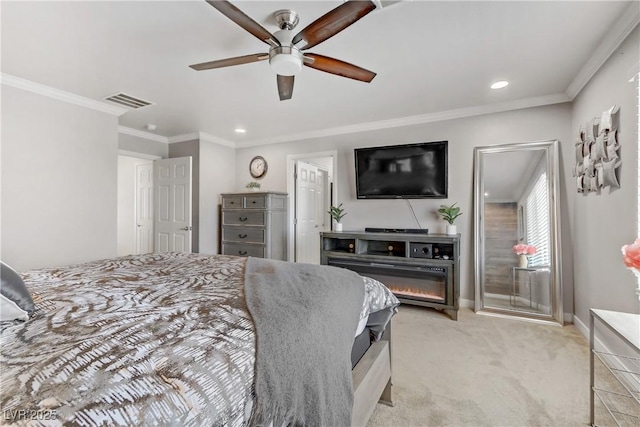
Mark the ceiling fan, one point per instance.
(286, 55)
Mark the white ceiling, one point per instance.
(430, 57)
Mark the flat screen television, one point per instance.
(411, 171)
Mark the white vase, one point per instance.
(523, 261)
(452, 230)
(636, 272)
(338, 226)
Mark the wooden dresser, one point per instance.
(255, 224)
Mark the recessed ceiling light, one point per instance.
(500, 84)
(240, 130)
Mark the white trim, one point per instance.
(568, 318)
(291, 160)
(203, 137)
(138, 155)
(184, 137)
(582, 328)
(142, 134)
(216, 140)
(467, 303)
(619, 32)
(60, 95)
(414, 120)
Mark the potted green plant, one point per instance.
(253, 186)
(337, 213)
(449, 214)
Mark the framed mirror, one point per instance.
(516, 222)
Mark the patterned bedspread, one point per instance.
(158, 339)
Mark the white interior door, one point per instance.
(144, 208)
(307, 227)
(172, 225)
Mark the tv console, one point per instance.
(420, 269)
(397, 230)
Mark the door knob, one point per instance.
(187, 228)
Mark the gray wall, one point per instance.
(59, 181)
(601, 224)
(144, 146)
(217, 171)
(186, 149)
(550, 122)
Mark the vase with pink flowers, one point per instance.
(631, 258)
(523, 251)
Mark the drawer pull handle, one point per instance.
(242, 253)
(232, 203)
(242, 236)
(242, 219)
(254, 202)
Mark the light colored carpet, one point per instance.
(485, 371)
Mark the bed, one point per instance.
(171, 339)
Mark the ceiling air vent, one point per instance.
(128, 100)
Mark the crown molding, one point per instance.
(618, 33)
(203, 137)
(60, 95)
(216, 140)
(142, 134)
(480, 110)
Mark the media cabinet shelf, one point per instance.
(397, 257)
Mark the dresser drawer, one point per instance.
(243, 250)
(255, 202)
(243, 218)
(243, 234)
(233, 202)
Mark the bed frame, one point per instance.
(372, 380)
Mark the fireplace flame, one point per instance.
(417, 293)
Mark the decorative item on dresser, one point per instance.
(337, 213)
(449, 214)
(255, 224)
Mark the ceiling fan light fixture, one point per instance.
(285, 60)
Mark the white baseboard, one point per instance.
(582, 328)
(467, 303)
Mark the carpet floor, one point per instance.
(485, 371)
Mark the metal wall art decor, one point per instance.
(597, 153)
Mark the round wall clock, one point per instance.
(258, 167)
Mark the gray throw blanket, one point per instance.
(305, 318)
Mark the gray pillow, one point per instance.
(14, 291)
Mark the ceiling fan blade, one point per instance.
(340, 68)
(238, 60)
(332, 23)
(285, 87)
(240, 18)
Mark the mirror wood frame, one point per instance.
(551, 149)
